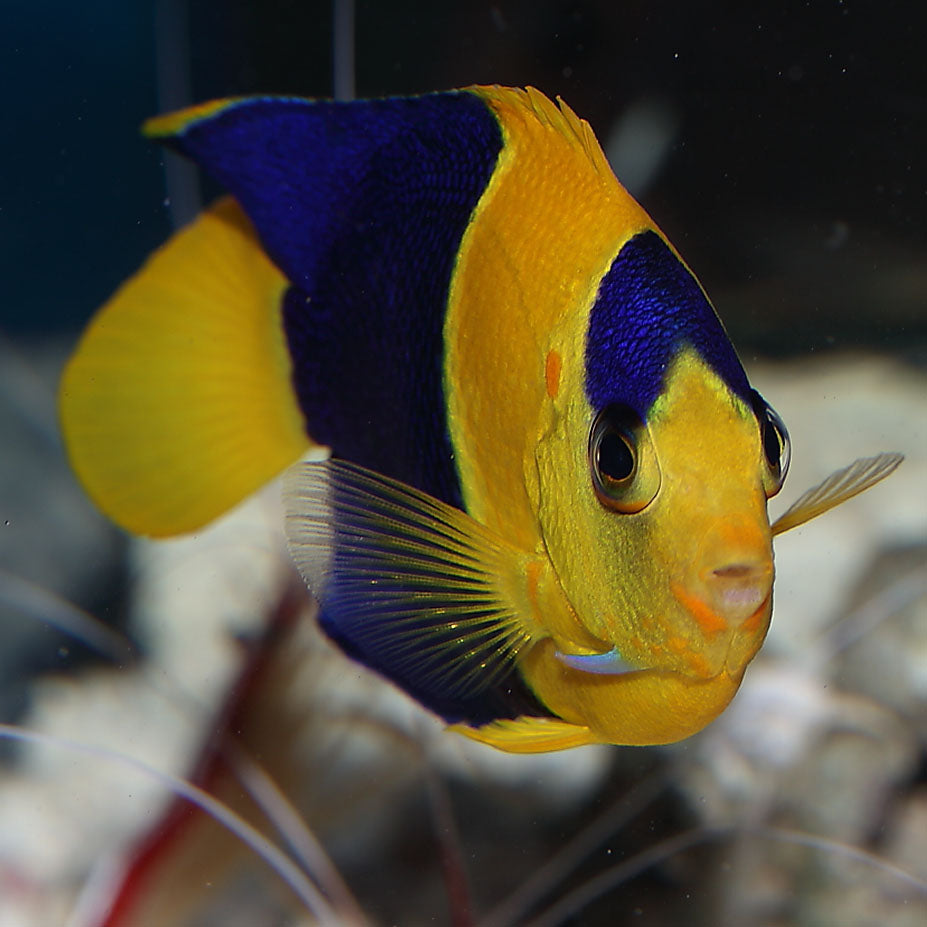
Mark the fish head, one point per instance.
(652, 492)
(660, 539)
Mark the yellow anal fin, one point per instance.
(177, 403)
(529, 735)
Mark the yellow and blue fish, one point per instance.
(544, 510)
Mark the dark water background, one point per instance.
(795, 184)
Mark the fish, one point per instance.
(525, 474)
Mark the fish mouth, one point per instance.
(729, 599)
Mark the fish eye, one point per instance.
(623, 465)
(777, 448)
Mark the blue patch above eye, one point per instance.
(648, 306)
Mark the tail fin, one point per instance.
(177, 403)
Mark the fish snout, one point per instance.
(736, 591)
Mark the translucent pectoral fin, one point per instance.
(530, 735)
(409, 585)
(837, 488)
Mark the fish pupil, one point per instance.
(615, 457)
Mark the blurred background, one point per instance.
(780, 146)
(788, 134)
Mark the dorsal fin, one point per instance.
(530, 103)
(308, 171)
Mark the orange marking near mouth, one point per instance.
(754, 622)
(552, 367)
(706, 618)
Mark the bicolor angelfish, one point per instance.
(544, 510)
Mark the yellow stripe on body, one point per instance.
(551, 221)
(177, 403)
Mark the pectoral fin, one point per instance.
(410, 586)
(837, 488)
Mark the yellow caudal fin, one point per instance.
(177, 403)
